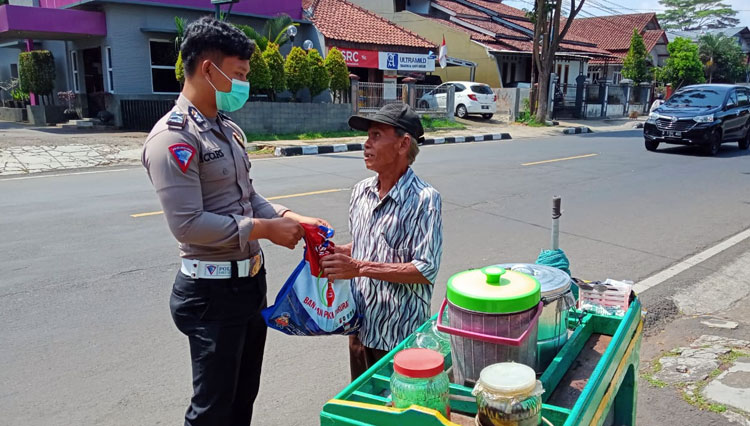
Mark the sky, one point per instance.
(611, 7)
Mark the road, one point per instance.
(87, 335)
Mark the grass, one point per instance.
(263, 151)
(259, 137)
(649, 375)
(430, 123)
(526, 118)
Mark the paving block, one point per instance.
(732, 387)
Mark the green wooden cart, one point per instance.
(592, 380)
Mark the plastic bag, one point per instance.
(308, 304)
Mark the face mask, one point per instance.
(235, 98)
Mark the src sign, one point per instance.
(360, 58)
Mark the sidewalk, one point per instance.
(26, 149)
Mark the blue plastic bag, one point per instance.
(308, 304)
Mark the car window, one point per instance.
(742, 97)
(482, 89)
(698, 97)
(459, 87)
(732, 100)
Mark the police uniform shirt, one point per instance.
(200, 170)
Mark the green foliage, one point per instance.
(430, 123)
(723, 58)
(297, 70)
(275, 29)
(260, 41)
(319, 78)
(275, 63)
(179, 69)
(337, 70)
(259, 76)
(37, 72)
(683, 67)
(636, 62)
(697, 14)
(19, 95)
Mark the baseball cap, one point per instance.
(398, 115)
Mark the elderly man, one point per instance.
(396, 227)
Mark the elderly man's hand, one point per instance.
(339, 266)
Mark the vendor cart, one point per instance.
(591, 381)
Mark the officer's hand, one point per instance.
(285, 232)
(306, 219)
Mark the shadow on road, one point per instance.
(727, 151)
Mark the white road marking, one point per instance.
(688, 263)
(66, 174)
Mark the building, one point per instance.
(613, 33)
(375, 49)
(113, 51)
(487, 41)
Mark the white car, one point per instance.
(469, 98)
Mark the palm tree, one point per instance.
(710, 45)
(275, 29)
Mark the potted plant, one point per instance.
(20, 98)
(68, 97)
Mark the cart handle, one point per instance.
(473, 335)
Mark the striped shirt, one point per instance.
(405, 226)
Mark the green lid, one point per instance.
(494, 290)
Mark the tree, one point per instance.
(319, 78)
(297, 70)
(338, 72)
(261, 42)
(259, 76)
(635, 65)
(179, 68)
(724, 59)
(275, 29)
(683, 67)
(547, 37)
(36, 71)
(697, 14)
(275, 63)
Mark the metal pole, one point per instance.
(556, 213)
(217, 12)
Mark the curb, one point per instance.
(287, 151)
(576, 130)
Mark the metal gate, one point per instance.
(141, 115)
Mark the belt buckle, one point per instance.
(257, 263)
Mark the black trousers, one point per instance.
(227, 335)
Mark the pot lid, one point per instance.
(494, 290)
(554, 281)
(508, 379)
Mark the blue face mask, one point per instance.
(235, 98)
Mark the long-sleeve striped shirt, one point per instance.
(405, 226)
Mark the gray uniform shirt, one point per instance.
(200, 170)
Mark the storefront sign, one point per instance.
(405, 62)
(360, 58)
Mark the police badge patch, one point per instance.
(183, 153)
(197, 116)
(176, 119)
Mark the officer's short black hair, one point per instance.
(213, 39)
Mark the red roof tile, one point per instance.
(344, 21)
(611, 32)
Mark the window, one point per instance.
(74, 67)
(732, 100)
(110, 78)
(482, 89)
(13, 70)
(742, 97)
(459, 87)
(163, 58)
(697, 97)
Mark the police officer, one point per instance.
(196, 159)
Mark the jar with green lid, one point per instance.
(508, 394)
(419, 379)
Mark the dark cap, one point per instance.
(397, 115)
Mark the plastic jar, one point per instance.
(508, 394)
(419, 379)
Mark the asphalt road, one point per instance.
(87, 336)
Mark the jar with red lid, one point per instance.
(419, 378)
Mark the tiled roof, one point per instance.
(611, 32)
(652, 37)
(344, 21)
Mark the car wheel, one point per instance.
(424, 105)
(714, 147)
(745, 143)
(487, 116)
(651, 145)
(461, 111)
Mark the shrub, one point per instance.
(297, 70)
(37, 72)
(319, 78)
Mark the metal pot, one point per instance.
(558, 299)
